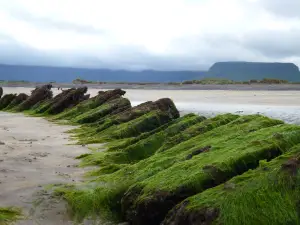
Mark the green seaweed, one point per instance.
(9, 215)
(101, 111)
(266, 195)
(169, 171)
(132, 128)
(144, 145)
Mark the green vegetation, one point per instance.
(221, 81)
(160, 167)
(9, 215)
(266, 195)
(140, 184)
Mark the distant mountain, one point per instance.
(64, 74)
(237, 71)
(244, 71)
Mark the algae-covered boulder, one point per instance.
(68, 99)
(164, 105)
(6, 100)
(228, 154)
(267, 195)
(103, 110)
(131, 122)
(47, 104)
(108, 95)
(89, 104)
(1, 92)
(37, 95)
(17, 100)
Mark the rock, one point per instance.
(182, 215)
(108, 95)
(68, 99)
(6, 100)
(44, 107)
(2, 143)
(37, 95)
(197, 152)
(229, 186)
(17, 100)
(291, 166)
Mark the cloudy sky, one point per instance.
(148, 34)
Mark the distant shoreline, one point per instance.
(164, 86)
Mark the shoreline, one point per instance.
(162, 86)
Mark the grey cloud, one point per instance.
(45, 22)
(188, 53)
(275, 44)
(286, 8)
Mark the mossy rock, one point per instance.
(44, 106)
(89, 104)
(16, 101)
(144, 145)
(266, 195)
(39, 94)
(67, 99)
(9, 215)
(6, 100)
(103, 110)
(149, 188)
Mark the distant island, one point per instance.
(233, 71)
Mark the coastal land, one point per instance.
(170, 157)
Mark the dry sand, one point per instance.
(33, 154)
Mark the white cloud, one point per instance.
(159, 34)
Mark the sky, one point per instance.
(148, 34)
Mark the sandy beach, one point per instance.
(33, 154)
(282, 105)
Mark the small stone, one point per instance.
(2, 143)
(229, 186)
(68, 166)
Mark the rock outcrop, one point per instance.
(39, 94)
(68, 99)
(6, 100)
(246, 71)
(17, 101)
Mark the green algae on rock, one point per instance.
(16, 101)
(9, 215)
(89, 104)
(160, 168)
(6, 100)
(266, 195)
(142, 192)
(39, 94)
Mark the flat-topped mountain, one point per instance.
(237, 71)
(243, 71)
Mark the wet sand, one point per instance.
(284, 105)
(33, 154)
